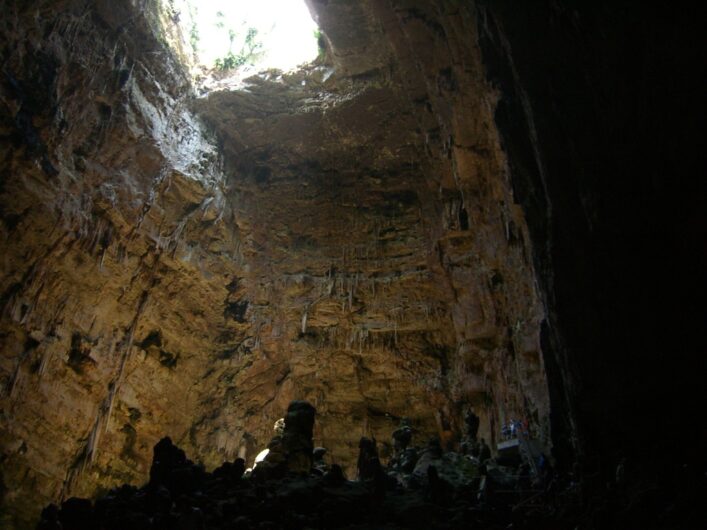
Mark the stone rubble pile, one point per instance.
(293, 487)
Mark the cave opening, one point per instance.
(410, 254)
(221, 39)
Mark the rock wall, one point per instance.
(599, 119)
(388, 267)
(113, 215)
(176, 266)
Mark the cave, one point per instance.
(458, 205)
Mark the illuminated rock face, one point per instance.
(345, 235)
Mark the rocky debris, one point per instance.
(181, 495)
(165, 458)
(423, 466)
(291, 449)
(446, 490)
(231, 471)
(297, 436)
(172, 470)
(279, 427)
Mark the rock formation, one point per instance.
(445, 490)
(388, 232)
(345, 234)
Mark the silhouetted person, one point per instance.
(472, 424)
(434, 447)
(505, 431)
(402, 436)
(166, 457)
(621, 473)
(335, 475)
(368, 462)
(50, 519)
(523, 485)
(318, 464)
(484, 451)
(545, 470)
(475, 450)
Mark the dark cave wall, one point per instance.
(599, 114)
(111, 214)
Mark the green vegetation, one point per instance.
(194, 38)
(319, 36)
(173, 13)
(193, 31)
(249, 53)
(220, 17)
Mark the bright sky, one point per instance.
(285, 28)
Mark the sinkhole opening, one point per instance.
(227, 38)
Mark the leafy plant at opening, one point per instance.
(220, 17)
(249, 53)
(193, 31)
(194, 38)
(321, 46)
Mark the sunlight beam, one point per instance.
(260, 33)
